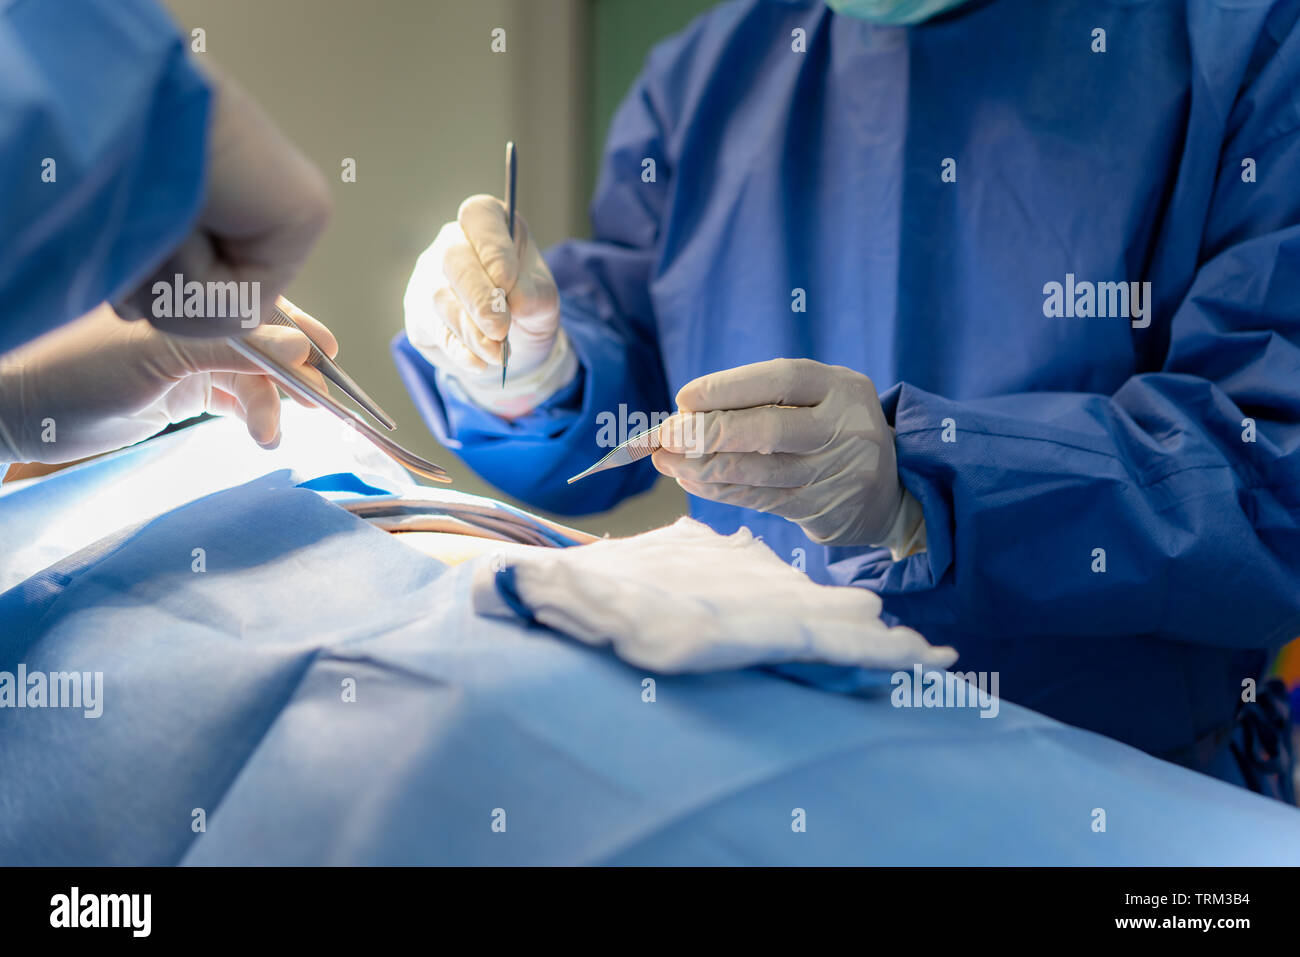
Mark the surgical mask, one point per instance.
(892, 12)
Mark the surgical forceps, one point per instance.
(633, 450)
(289, 380)
(279, 316)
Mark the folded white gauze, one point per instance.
(684, 598)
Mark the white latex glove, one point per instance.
(101, 383)
(266, 204)
(684, 598)
(472, 288)
(793, 437)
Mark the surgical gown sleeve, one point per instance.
(102, 131)
(606, 310)
(1170, 508)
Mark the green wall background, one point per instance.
(622, 33)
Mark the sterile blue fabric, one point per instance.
(103, 123)
(48, 518)
(1032, 442)
(893, 12)
(224, 692)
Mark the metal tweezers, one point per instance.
(633, 450)
(327, 366)
(289, 380)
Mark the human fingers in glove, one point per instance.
(474, 287)
(796, 438)
(101, 383)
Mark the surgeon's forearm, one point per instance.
(102, 129)
(1059, 515)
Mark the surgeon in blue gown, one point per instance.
(122, 164)
(865, 244)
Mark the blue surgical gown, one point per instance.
(103, 121)
(1113, 511)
